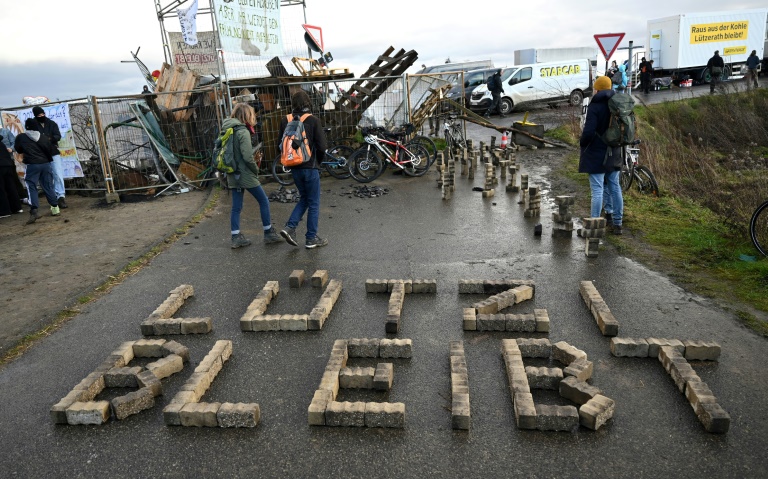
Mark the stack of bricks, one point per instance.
(79, 406)
(449, 175)
(674, 356)
(185, 409)
(488, 190)
(460, 412)
(161, 322)
(606, 322)
(324, 410)
(532, 203)
(563, 220)
(484, 315)
(473, 161)
(398, 288)
(594, 408)
(594, 229)
(512, 185)
(439, 162)
(464, 162)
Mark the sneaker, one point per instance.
(238, 241)
(271, 236)
(315, 242)
(63, 203)
(33, 216)
(55, 211)
(289, 234)
(5, 216)
(617, 230)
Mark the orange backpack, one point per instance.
(294, 146)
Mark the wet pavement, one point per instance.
(408, 233)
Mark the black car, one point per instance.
(472, 79)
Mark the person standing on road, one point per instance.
(306, 176)
(496, 88)
(51, 130)
(715, 66)
(645, 75)
(9, 196)
(37, 149)
(246, 178)
(622, 85)
(753, 61)
(598, 159)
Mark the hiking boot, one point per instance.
(33, 216)
(617, 230)
(315, 242)
(55, 211)
(609, 218)
(63, 203)
(238, 241)
(289, 234)
(271, 236)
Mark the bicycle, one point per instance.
(382, 148)
(453, 132)
(758, 228)
(632, 172)
(425, 141)
(336, 163)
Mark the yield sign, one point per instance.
(316, 33)
(608, 43)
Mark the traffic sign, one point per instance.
(608, 43)
(316, 33)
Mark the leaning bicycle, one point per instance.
(382, 148)
(632, 172)
(758, 228)
(453, 133)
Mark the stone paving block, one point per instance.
(606, 322)
(133, 403)
(90, 386)
(385, 414)
(363, 347)
(122, 377)
(149, 348)
(491, 322)
(629, 347)
(525, 323)
(460, 412)
(112, 361)
(330, 382)
(486, 307)
(458, 364)
(589, 293)
(345, 414)
(375, 285)
(164, 326)
(383, 377)
(183, 290)
(126, 351)
(698, 393)
(316, 319)
(395, 348)
(172, 413)
(459, 383)
(319, 278)
(596, 412)
(296, 279)
(525, 411)
(356, 378)
(681, 373)
(592, 246)
(714, 418)
(543, 378)
(164, 367)
(542, 320)
(88, 412)
(566, 354)
(581, 369)
(577, 391)
(667, 353)
(148, 327)
(198, 383)
(470, 286)
(593, 223)
(293, 322)
(655, 343)
(58, 411)
(267, 322)
(392, 325)
(534, 348)
(273, 287)
(456, 348)
(424, 286)
(316, 410)
(196, 325)
(523, 293)
(556, 418)
(510, 344)
(201, 414)
(146, 379)
(701, 350)
(223, 348)
(238, 415)
(172, 347)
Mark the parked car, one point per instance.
(472, 79)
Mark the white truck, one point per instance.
(681, 45)
(545, 55)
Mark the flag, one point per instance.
(188, 20)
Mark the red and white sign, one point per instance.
(608, 42)
(316, 33)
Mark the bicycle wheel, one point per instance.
(758, 228)
(458, 136)
(417, 158)
(427, 143)
(280, 173)
(625, 177)
(337, 161)
(645, 181)
(366, 164)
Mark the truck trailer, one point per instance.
(681, 45)
(545, 55)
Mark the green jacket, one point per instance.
(247, 169)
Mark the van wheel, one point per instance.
(576, 98)
(506, 106)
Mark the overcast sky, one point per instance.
(73, 48)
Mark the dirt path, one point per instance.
(46, 266)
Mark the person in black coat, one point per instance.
(51, 130)
(37, 148)
(496, 89)
(715, 65)
(599, 160)
(9, 195)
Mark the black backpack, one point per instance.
(616, 78)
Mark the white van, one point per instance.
(545, 83)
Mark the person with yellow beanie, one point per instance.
(599, 160)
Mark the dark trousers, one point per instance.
(9, 195)
(645, 79)
(307, 181)
(495, 103)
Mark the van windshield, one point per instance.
(507, 73)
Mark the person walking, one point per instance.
(37, 149)
(599, 160)
(496, 88)
(715, 66)
(753, 61)
(306, 176)
(245, 178)
(9, 195)
(51, 130)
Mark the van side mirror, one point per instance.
(513, 81)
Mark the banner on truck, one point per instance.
(249, 27)
(719, 32)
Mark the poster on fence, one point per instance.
(200, 58)
(14, 121)
(249, 27)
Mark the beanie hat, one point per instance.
(31, 124)
(37, 110)
(602, 83)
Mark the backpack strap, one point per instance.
(304, 117)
